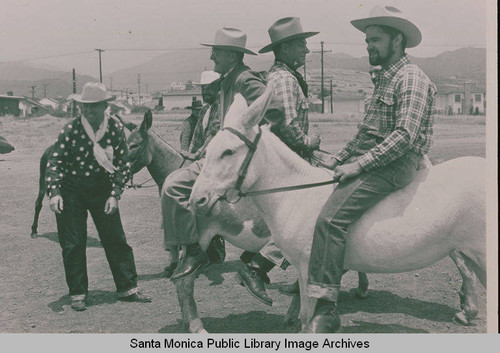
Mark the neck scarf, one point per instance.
(302, 83)
(99, 152)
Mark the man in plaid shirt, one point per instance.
(383, 156)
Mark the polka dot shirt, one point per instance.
(73, 156)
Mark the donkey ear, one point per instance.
(128, 124)
(147, 122)
(258, 108)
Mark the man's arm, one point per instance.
(289, 129)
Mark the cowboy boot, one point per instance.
(194, 259)
(254, 277)
(326, 318)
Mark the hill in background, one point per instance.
(348, 73)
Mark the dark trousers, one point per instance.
(179, 223)
(80, 196)
(346, 205)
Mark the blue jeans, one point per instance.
(345, 206)
(80, 196)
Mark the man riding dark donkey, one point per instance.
(86, 172)
(189, 124)
(228, 51)
(394, 135)
(288, 43)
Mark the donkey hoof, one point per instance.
(34, 235)
(461, 318)
(359, 293)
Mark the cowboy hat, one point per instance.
(230, 39)
(196, 104)
(207, 77)
(93, 92)
(391, 17)
(287, 28)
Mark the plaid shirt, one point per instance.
(400, 114)
(204, 133)
(73, 156)
(295, 125)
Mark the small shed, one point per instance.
(181, 99)
(9, 105)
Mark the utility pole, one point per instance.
(139, 85)
(323, 79)
(45, 90)
(111, 83)
(100, 66)
(73, 105)
(33, 92)
(305, 72)
(331, 96)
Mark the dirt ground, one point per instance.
(33, 291)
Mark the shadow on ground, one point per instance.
(251, 322)
(91, 242)
(96, 297)
(384, 302)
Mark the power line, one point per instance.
(50, 57)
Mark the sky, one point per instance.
(66, 32)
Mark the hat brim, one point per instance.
(230, 48)
(78, 98)
(303, 35)
(410, 31)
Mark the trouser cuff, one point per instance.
(127, 293)
(78, 297)
(321, 291)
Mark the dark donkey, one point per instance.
(42, 185)
(240, 225)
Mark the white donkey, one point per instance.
(441, 213)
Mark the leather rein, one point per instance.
(233, 197)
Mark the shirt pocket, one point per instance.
(385, 105)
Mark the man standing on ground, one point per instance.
(86, 172)
(383, 156)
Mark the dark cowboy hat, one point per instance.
(196, 105)
(231, 39)
(285, 29)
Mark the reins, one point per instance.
(286, 188)
(141, 185)
(233, 197)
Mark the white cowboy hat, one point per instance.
(391, 17)
(207, 77)
(93, 92)
(287, 28)
(230, 39)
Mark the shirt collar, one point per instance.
(392, 69)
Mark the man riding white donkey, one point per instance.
(228, 50)
(440, 213)
(394, 135)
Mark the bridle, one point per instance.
(234, 194)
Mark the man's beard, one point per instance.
(378, 59)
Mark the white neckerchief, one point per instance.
(99, 152)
